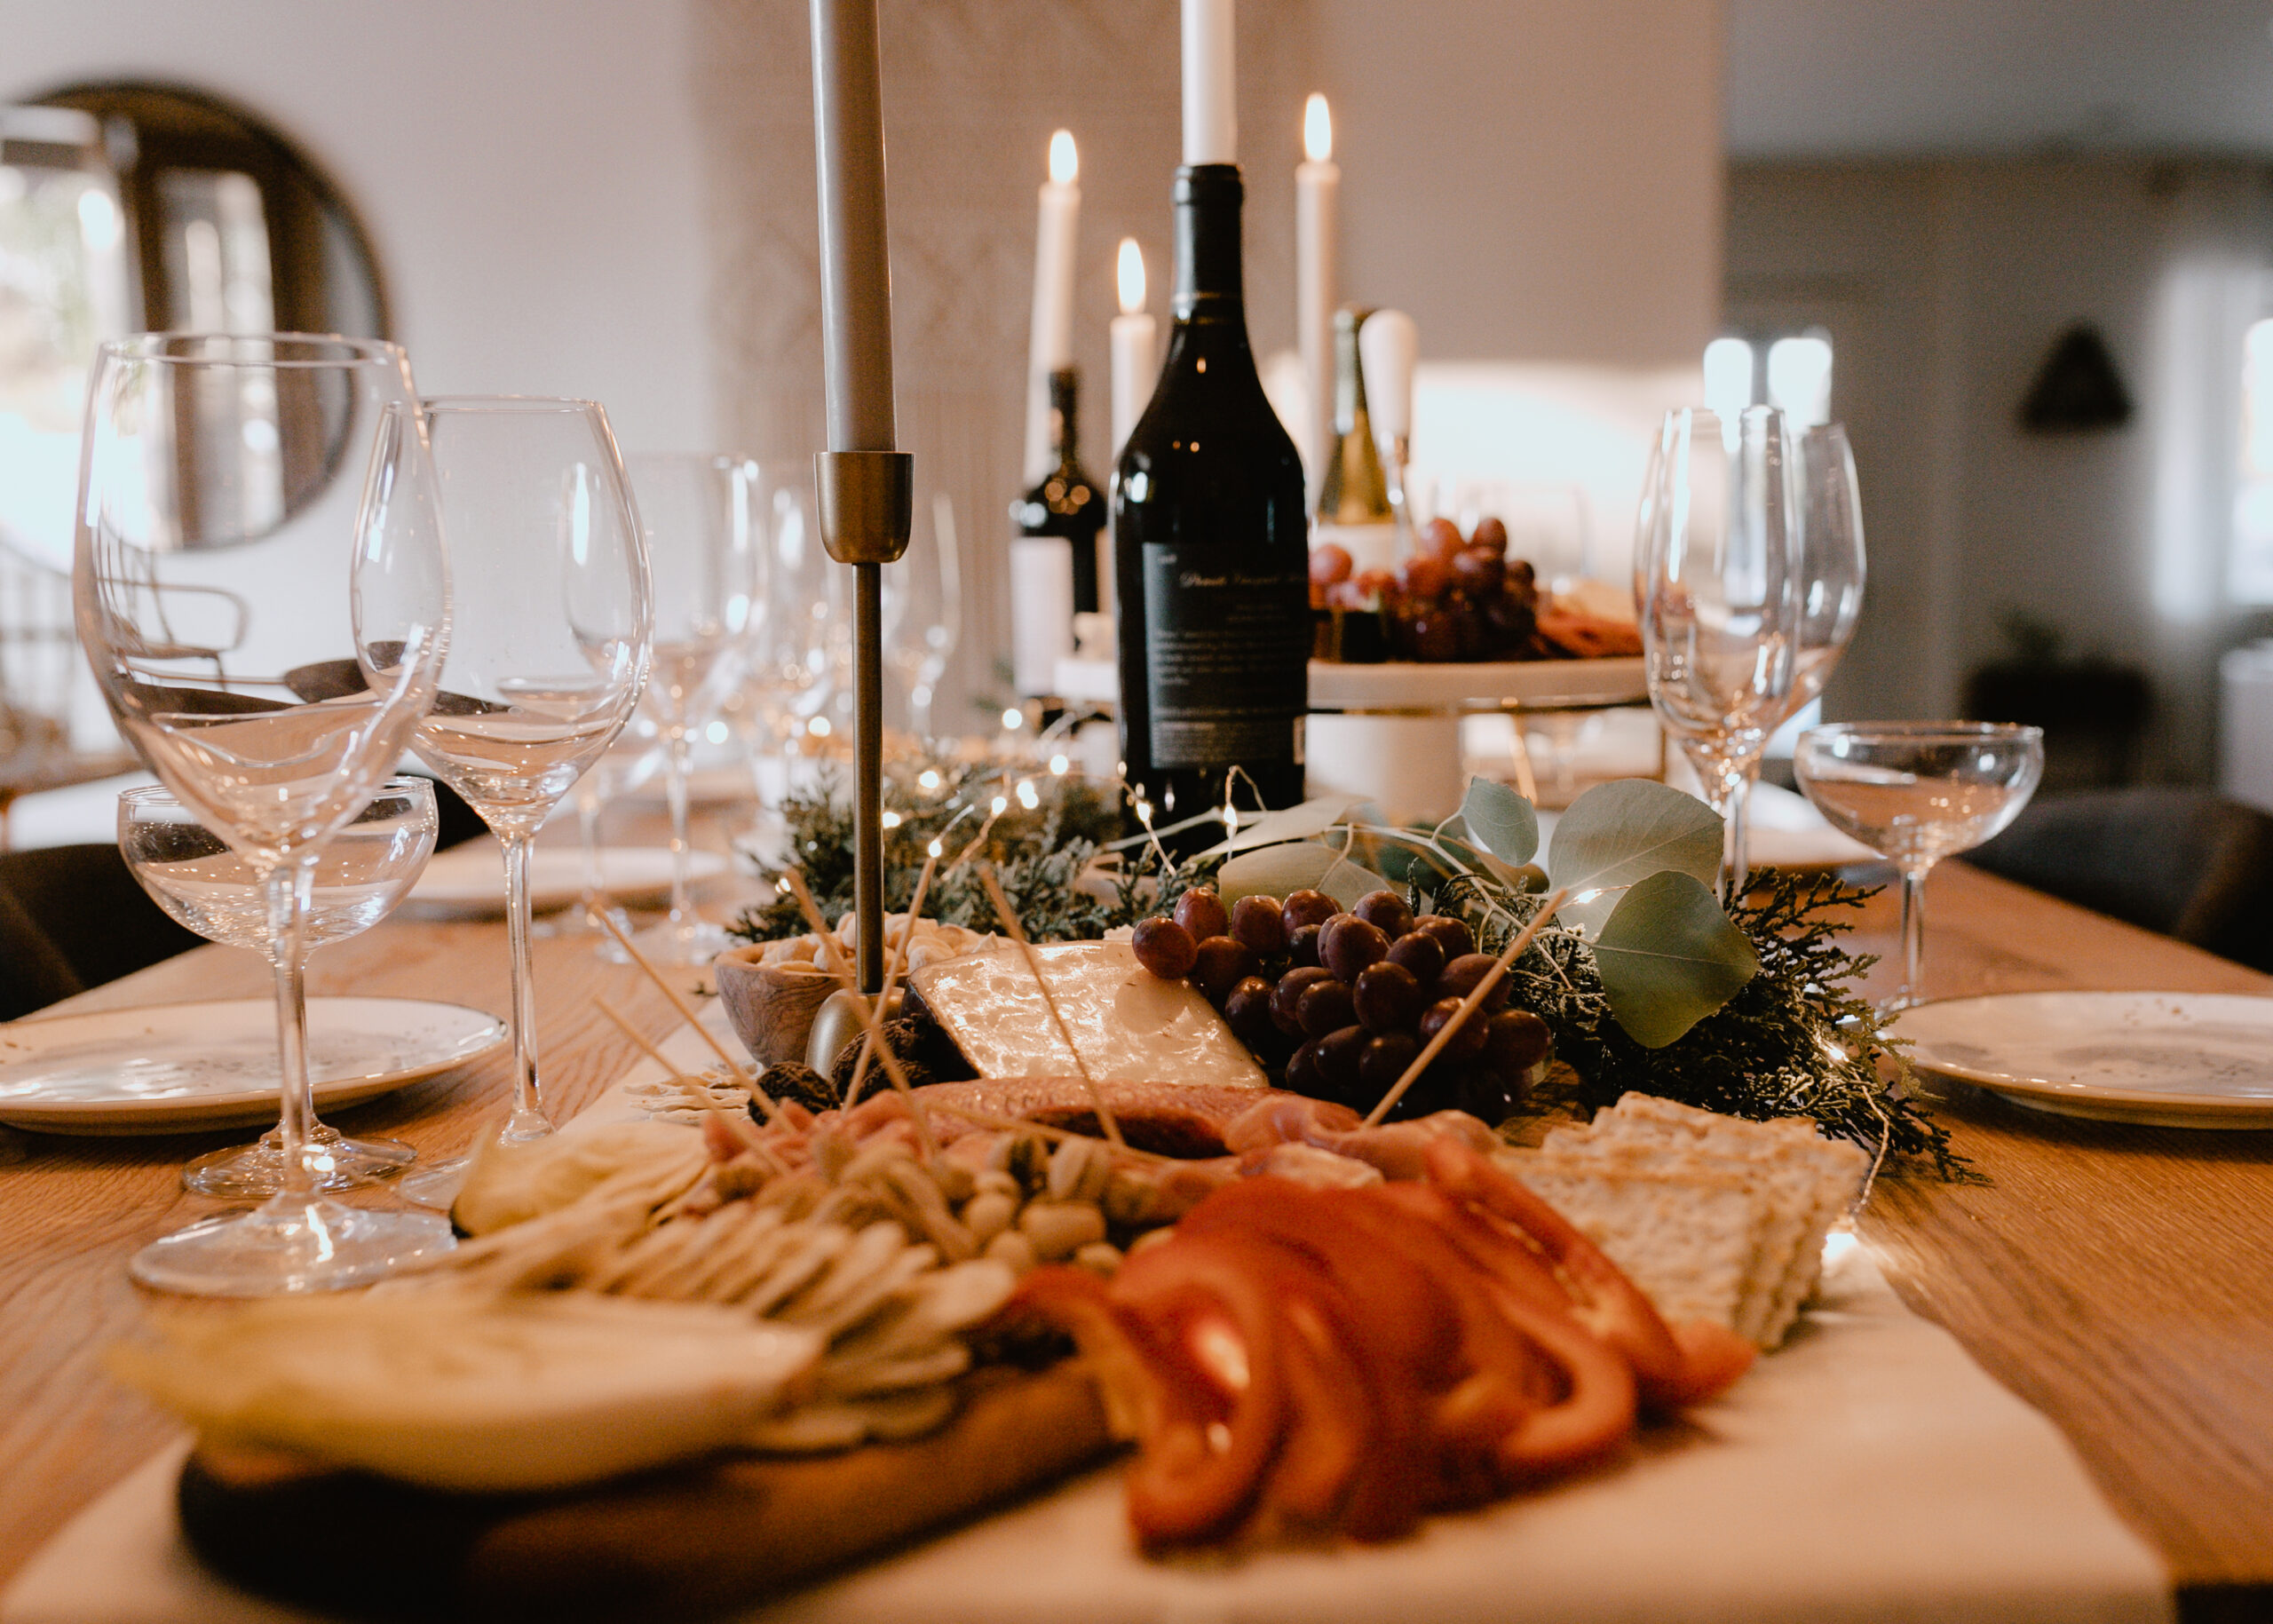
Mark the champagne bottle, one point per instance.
(1211, 554)
(1054, 558)
(1353, 505)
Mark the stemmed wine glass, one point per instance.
(1915, 793)
(922, 602)
(360, 873)
(705, 547)
(1831, 560)
(789, 655)
(1717, 578)
(263, 591)
(549, 629)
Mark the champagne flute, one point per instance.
(263, 591)
(1831, 560)
(1718, 585)
(1915, 793)
(360, 875)
(704, 548)
(923, 614)
(550, 628)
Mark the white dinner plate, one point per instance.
(2162, 1059)
(468, 881)
(190, 1067)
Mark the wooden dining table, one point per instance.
(2119, 1279)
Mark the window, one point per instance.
(1796, 379)
(2250, 561)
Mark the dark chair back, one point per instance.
(71, 918)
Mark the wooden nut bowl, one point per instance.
(771, 1006)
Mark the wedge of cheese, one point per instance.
(1128, 1025)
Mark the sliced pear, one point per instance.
(456, 1390)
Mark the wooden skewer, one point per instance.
(1467, 1007)
(893, 976)
(1019, 1124)
(871, 1010)
(735, 1068)
(1010, 918)
(739, 1128)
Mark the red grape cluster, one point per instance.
(1341, 1003)
(1457, 598)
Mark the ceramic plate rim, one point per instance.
(2079, 1099)
(243, 1106)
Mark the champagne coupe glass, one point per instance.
(1832, 562)
(360, 874)
(1915, 793)
(263, 591)
(923, 613)
(705, 543)
(550, 628)
(1717, 577)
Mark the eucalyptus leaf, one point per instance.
(1274, 871)
(1669, 956)
(1620, 832)
(1300, 822)
(1499, 821)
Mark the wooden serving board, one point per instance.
(678, 1545)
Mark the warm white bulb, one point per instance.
(1132, 277)
(1065, 162)
(1318, 129)
(1012, 716)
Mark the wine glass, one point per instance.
(1832, 562)
(634, 758)
(705, 546)
(360, 873)
(790, 656)
(550, 628)
(922, 603)
(1915, 793)
(262, 592)
(1717, 579)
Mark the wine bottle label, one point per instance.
(1226, 658)
(1041, 610)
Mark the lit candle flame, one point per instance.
(1132, 277)
(1065, 162)
(1318, 129)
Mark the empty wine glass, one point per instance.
(262, 592)
(1832, 562)
(1915, 793)
(791, 651)
(922, 596)
(360, 873)
(634, 758)
(550, 628)
(705, 547)
(1717, 580)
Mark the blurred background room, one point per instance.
(2024, 252)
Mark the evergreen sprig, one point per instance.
(1794, 1040)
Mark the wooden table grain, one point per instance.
(2119, 1279)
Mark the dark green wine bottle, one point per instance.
(1211, 551)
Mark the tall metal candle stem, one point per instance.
(866, 487)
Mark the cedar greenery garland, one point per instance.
(1794, 1040)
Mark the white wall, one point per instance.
(1532, 179)
(527, 169)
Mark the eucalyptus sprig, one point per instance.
(1647, 982)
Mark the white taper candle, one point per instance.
(1211, 123)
